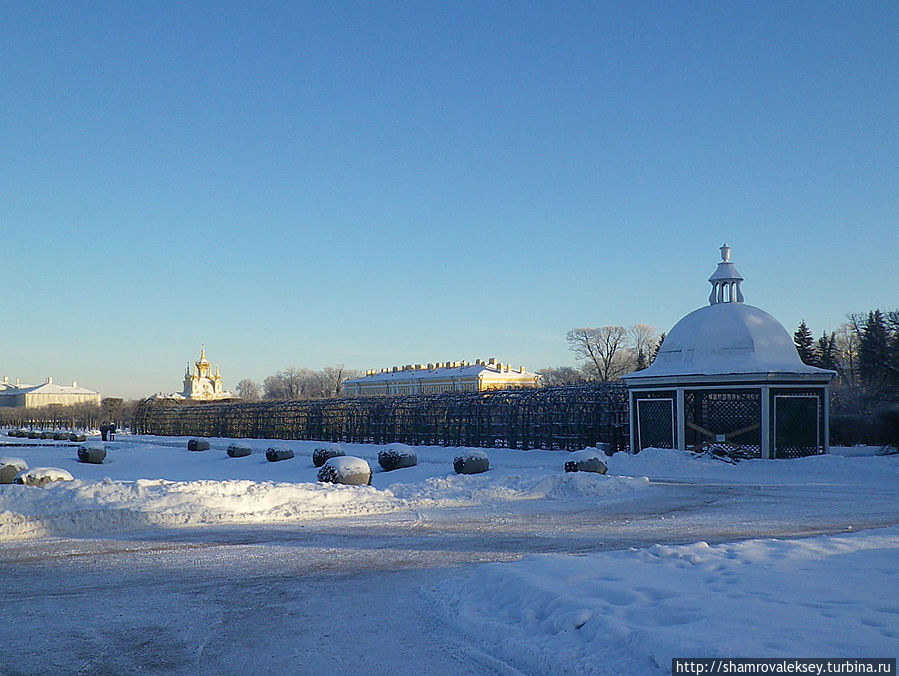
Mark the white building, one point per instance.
(442, 377)
(18, 395)
(202, 383)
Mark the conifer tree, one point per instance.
(826, 350)
(874, 362)
(805, 345)
(641, 362)
(656, 348)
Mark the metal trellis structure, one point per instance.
(565, 418)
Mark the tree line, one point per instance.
(606, 353)
(294, 383)
(864, 351)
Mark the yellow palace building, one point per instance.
(442, 377)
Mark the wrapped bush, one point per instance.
(9, 467)
(585, 461)
(61, 436)
(77, 437)
(276, 454)
(345, 469)
(323, 453)
(41, 476)
(397, 456)
(92, 452)
(471, 462)
(198, 445)
(238, 451)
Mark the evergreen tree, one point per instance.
(826, 349)
(641, 362)
(805, 345)
(655, 350)
(874, 354)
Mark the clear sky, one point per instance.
(378, 183)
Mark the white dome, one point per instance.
(727, 338)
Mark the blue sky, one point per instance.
(381, 183)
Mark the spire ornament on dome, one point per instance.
(725, 281)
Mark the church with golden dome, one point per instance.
(201, 383)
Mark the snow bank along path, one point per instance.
(633, 611)
(156, 482)
(151, 482)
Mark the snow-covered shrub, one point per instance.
(93, 452)
(22, 433)
(11, 433)
(345, 469)
(604, 447)
(276, 454)
(237, 451)
(77, 437)
(61, 436)
(471, 462)
(323, 452)
(397, 456)
(9, 467)
(41, 476)
(34, 434)
(585, 461)
(47, 434)
(198, 445)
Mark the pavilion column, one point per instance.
(681, 421)
(632, 416)
(766, 423)
(827, 419)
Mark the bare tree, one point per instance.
(643, 339)
(847, 341)
(562, 375)
(248, 389)
(294, 384)
(603, 348)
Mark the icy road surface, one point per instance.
(367, 593)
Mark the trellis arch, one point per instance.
(568, 417)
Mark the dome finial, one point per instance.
(725, 281)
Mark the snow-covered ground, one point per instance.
(167, 557)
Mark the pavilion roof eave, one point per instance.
(634, 381)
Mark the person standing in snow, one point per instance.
(104, 429)
(112, 431)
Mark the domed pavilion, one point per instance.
(728, 376)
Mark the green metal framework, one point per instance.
(728, 419)
(569, 418)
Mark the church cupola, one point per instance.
(725, 281)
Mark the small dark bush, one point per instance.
(92, 454)
(276, 454)
(850, 430)
(197, 445)
(886, 426)
(235, 451)
(397, 456)
(471, 464)
(321, 455)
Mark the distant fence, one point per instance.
(570, 417)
